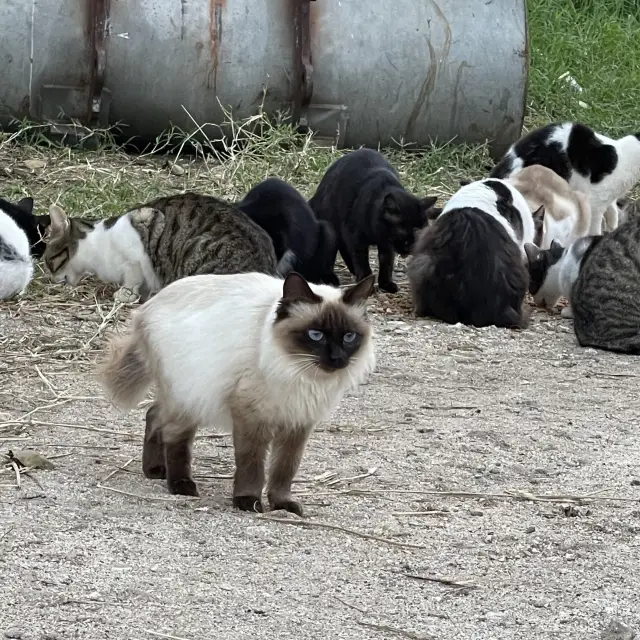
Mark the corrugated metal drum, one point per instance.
(381, 72)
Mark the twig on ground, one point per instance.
(351, 606)
(118, 469)
(176, 499)
(163, 635)
(335, 527)
(395, 630)
(459, 584)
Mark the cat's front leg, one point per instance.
(611, 215)
(360, 256)
(286, 453)
(133, 282)
(250, 443)
(567, 312)
(386, 260)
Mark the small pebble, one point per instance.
(617, 630)
(476, 512)
(14, 632)
(635, 482)
(530, 529)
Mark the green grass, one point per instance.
(596, 42)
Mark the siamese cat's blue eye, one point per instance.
(349, 337)
(315, 335)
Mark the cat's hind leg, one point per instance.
(153, 459)
(286, 453)
(133, 282)
(250, 443)
(178, 443)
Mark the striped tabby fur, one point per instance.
(606, 296)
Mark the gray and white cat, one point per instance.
(250, 354)
(553, 271)
(606, 296)
(152, 245)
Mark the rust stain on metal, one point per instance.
(98, 31)
(216, 8)
(303, 66)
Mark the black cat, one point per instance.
(301, 241)
(33, 226)
(362, 196)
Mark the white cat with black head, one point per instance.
(603, 168)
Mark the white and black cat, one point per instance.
(603, 168)
(302, 242)
(362, 197)
(250, 354)
(553, 271)
(20, 237)
(468, 265)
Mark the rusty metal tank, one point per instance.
(364, 73)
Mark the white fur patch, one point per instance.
(114, 254)
(15, 275)
(479, 195)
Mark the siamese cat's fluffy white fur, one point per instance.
(250, 354)
(567, 213)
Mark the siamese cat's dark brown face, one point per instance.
(323, 334)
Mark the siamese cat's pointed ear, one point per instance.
(297, 288)
(59, 220)
(556, 245)
(533, 252)
(26, 204)
(359, 292)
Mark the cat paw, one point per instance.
(183, 487)
(126, 296)
(389, 287)
(248, 503)
(158, 472)
(567, 312)
(288, 505)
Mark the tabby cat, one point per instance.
(250, 354)
(606, 296)
(154, 244)
(363, 198)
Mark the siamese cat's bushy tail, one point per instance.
(124, 374)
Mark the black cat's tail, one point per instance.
(287, 263)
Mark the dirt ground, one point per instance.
(448, 486)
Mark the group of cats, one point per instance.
(243, 325)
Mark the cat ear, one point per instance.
(297, 288)
(427, 202)
(556, 245)
(26, 204)
(465, 181)
(359, 292)
(533, 252)
(59, 220)
(43, 221)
